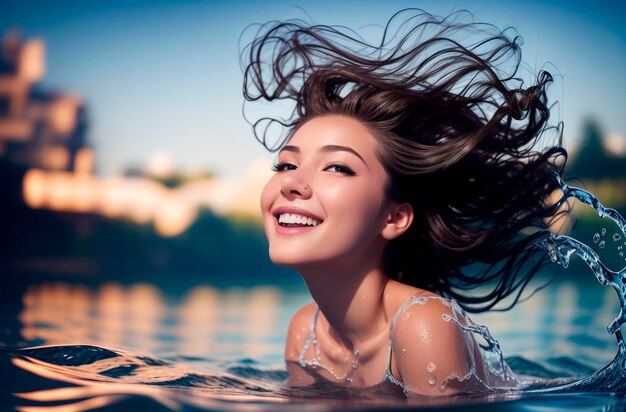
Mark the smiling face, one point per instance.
(324, 204)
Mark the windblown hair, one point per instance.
(458, 134)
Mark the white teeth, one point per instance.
(297, 219)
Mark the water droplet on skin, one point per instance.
(432, 380)
(442, 388)
(404, 350)
(603, 232)
(596, 238)
(431, 367)
(601, 244)
(616, 237)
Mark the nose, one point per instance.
(292, 186)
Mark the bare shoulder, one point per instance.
(397, 294)
(417, 310)
(430, 346)
(429, 312)
(298, 331)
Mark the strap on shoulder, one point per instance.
(310, 339)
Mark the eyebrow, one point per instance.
(327, 149)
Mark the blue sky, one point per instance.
(165, 75)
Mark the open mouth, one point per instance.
(296, 220)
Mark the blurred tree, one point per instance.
(591, 159)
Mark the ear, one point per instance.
(399, 219)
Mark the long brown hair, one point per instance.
(457, 132)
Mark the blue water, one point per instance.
(221, 349)
(85, 345)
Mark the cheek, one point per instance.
(265, 198)
(268, 196)
(356, 208)
(362, 199)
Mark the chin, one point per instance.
(292, 260)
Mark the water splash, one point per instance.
(561, 248)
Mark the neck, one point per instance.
(351, 300)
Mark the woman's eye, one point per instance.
(339, 168)
(281, 167)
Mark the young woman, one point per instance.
(409, 174)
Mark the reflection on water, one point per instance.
(207, 322)
(564, 319)
(100, 391)
(222, 349)
(203, 323)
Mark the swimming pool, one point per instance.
(127, 345)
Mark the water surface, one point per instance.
(80, 345)
(128, 345)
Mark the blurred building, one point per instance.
(57, 218)
(38, 128)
